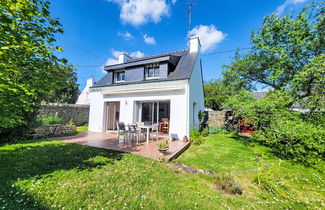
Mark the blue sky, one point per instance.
(96, 30)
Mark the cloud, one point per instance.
(174, 1)
(287, 3)
(149, 39)
(139, 12)
(126, 36)
(112, 60)
(137, 54)
(209, 36)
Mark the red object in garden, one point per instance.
(246, 126)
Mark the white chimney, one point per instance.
(90, 82)
(195, 44)
(123, 57)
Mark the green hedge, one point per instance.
(295, 139)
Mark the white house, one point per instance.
(84, 95)
(149, 89)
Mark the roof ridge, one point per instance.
(154, 55)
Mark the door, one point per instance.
(113, 115)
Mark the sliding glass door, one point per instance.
(150, 112)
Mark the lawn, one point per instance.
(44, 174)
(287, 182)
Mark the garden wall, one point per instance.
(78, 113)
(217, 118)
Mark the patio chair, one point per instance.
(165, 127)
(133, 131)
(121, 129)
(155, 129)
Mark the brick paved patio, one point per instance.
(107, 140)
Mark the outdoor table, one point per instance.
(147, 127)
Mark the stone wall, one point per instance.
(217, 118)
(54, 130)
(78, 113)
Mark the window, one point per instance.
(119, 76)
(152, 71)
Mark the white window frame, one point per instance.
(155, 68)
(117, 74)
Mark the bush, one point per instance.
(20, 132)
(217, 130)
(272, 181)
(205, 132)
(196, 137)
(296, 140)
(226, 183)
(51, 119)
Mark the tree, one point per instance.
(67, 94)
(29, 67)
(281, 48)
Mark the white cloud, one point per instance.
(287, 3)
(209, 36)
(127, 35)
(149, 39)
(139, 12)
(174, 1)
(114, 58)
(137, 54)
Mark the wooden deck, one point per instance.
(107, 140)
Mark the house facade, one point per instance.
(164, 87)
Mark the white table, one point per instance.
(147, 127)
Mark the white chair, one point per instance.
(154, 130)
(133, 132)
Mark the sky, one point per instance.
(97, 30)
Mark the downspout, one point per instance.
(187, 109)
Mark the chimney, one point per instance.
(123, 57)
(195, 44)
(90, 82)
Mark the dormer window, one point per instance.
(152, 71)
(119, 76)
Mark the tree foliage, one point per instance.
(281, 48)
(287, 55)
(29, 67)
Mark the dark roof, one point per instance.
(183, 69)
(260, 94)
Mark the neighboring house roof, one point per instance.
(259, 94)
(183, 69)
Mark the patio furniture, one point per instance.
(154, 130)
(165, 127)
(147, 128)
(133, 132)
(121, 128)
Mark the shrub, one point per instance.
(296, 140)
(272, 181)
(196, 137)
(70, 122)
(217, 130)
(51, 119)
(205, 132)
(226, 183)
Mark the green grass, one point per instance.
(43, 174)
(53, 174)
(82, 128)
(237, 156)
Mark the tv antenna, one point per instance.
(189, 13)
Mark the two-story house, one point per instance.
(167, 86)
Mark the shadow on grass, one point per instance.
(37, 159)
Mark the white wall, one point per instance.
(196, 94)
(83, 98)
(175, 91)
